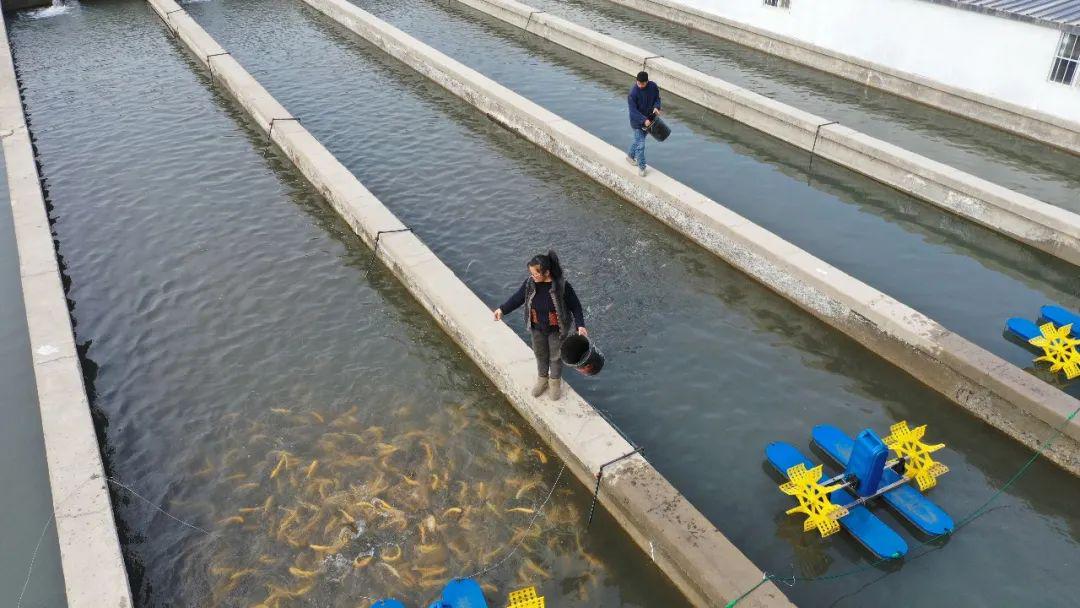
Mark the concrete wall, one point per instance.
(685, 545)
(1021, 405)
(94, 574)
(18, 5)
(1028, 220)
(1061, 131)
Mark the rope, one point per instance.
(967, 519)
(517, 545)
(813, 148)
(75, 492)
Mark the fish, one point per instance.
(362, 561)
(540, 455)
(311, 468)
(457, 550)
(236, 477)
(298, 573)
(513, 455)
(209, 468)
(266, 505)
(525, 487)
(515, 430)
(235, 519)
(317, 416)
(247, 486)
(390, 569)
(409, 480)
(429, 523)
(391, 557)
(429, 455)
(521, 510)
(281, 410)
(452, 511)
(334, 548)
(349, 518)
(535, 567)
(248, 509)
(267, 560)
(487, 557)
(280, 465)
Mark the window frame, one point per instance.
(777, 3)
(1068, 44)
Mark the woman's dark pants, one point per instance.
(547, 347)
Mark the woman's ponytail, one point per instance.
(556, 267)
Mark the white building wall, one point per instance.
(995, 56)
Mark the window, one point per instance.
(778, 3)
(1068, 55)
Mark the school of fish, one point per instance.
(342, 509)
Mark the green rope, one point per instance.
(967, 519)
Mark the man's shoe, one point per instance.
(631, 160)
(541, 386)
(642, 171)
(555, 388)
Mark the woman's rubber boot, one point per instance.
(541, 386)
(555, 388)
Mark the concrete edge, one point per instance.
(1044, 128)
(687, 548)
(1025, 219)
(1000, 393)
(90, 554)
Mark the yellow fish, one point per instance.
(531, 565)
(240, 573)
(317, 416)
(525, 488)
(281, 410)
(298, 573)
(311, 468)
(521, 510)
(540, 455)
(235, 519)
(362, 561)
(280, 465)
(391, 557)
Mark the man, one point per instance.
(644, 102)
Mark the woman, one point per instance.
(552, 310)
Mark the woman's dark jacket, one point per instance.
(564, 298)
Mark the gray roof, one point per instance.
(1059, 14)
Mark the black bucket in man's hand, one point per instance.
(658, 129)
(581, 354)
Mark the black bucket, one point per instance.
(658, 129)
(581, 354)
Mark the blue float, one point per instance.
(458, 593)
